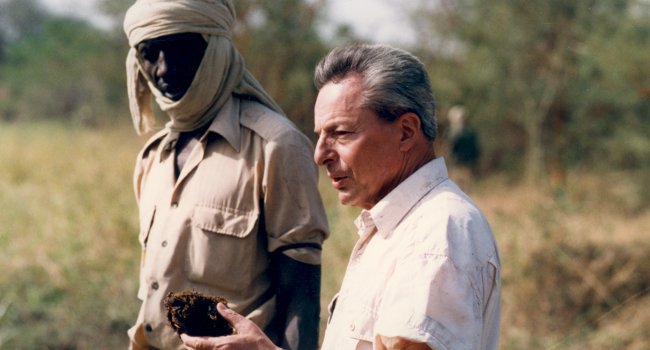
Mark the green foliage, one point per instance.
(20, 18)
(68, 70)
(555, 78)
(281, 46)
(563, 84)
(115, 9)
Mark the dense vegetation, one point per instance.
(564, 85)
(558, 91)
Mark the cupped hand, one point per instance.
(248, 335)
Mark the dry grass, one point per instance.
(574, 261)
(337, 248)
(69, 257)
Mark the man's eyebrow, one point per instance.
(328, 126)
(143, 45)
(332, 125)
(318, 130)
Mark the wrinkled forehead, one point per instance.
(148, 19)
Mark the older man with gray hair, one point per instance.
(227, 191)
(425, 272)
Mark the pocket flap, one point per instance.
(227, 221)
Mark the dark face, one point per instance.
(172, 61)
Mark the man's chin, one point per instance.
(355, 202)
(174, 96)
(346, 199)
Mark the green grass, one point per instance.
(574, 261)
(337, 248)
(67, 237)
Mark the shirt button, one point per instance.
(154, 285)
(164, 243)
(148, 328)
(352, 327)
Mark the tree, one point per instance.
(20, 18)
(64, 71)
(115, 9)
(532, 71)
(281, 45)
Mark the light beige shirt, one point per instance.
(248, 188)
(426, 268)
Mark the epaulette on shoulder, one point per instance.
(267, 123)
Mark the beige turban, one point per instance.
(221, 73)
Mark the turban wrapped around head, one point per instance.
(220, 74)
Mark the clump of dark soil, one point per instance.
(196, 314)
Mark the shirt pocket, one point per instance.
(362, 324)
(222, 250)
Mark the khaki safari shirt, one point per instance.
(248, 188)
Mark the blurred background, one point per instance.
(544, 118)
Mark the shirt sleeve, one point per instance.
(294, 215)
(429, 300)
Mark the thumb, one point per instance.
(231, 316)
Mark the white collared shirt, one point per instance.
(426, 269)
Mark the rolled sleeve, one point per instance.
(452, 319)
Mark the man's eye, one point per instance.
(342, 135)
(149, 54)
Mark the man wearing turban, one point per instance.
(227, 190)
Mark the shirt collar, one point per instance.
(391, 209)
(364, 223)
(225, 123)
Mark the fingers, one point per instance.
(206, 343)
(249, 335)
(192, 342)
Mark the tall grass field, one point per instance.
(576, 271)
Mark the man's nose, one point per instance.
(323, 153)
(161, 64)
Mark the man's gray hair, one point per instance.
(394, 81)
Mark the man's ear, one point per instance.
(410, 127)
